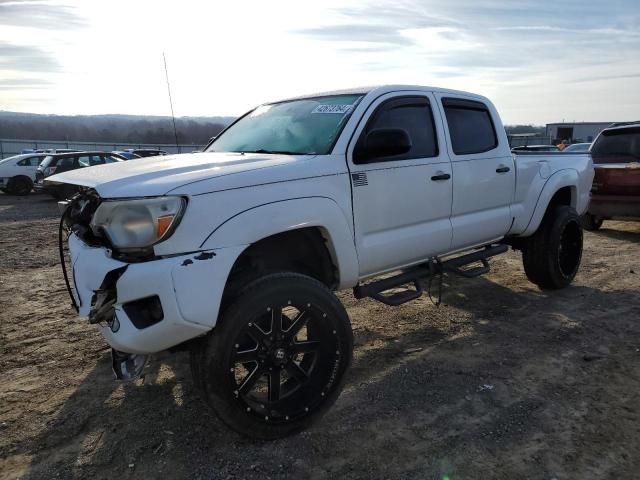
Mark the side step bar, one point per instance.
(424, 272)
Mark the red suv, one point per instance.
(616, 185)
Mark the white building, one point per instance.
(576, 132)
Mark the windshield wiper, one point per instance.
(274, 152)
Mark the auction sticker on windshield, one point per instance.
(331, 109)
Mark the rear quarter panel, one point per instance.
(539, 177)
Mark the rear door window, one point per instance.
(620, 145)
(470, 126)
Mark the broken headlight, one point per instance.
(138, 223)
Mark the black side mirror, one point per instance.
(384, 142)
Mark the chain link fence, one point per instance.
(10, 147)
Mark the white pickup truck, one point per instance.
(234, 253)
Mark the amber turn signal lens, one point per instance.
(163, 224)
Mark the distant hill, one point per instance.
(110, 128)
(115, 128)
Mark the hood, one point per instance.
(152, 176)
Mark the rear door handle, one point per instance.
(502, 169)
(441, 176)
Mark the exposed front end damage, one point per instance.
(142, 305)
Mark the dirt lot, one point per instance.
(502, 381)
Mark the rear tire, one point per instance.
(551, 256)
(19, 186)
(591, 222)
(275, 361)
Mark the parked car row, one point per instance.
(133, 153)
(49, 150)
(22, 173)
(59, 163)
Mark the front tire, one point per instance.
(275, 362)
(551, 256)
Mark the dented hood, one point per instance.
(152, 176)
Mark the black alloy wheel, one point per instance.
(552, 255)
(283, 359)
(276, 360)
(570, 249)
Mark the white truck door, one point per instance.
(401, 201)
(483, 171)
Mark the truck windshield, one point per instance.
(617, 146)
(306, 126)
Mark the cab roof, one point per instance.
(382, 89)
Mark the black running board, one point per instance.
(417, 275)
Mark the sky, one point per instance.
(538, 61)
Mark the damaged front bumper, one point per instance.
(149, 306)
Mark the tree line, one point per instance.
(132, 128)
(539, 130)
(110, 128)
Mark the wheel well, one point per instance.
(564, 196)
(302, 251)
(22, 177)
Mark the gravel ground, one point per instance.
(502, 381)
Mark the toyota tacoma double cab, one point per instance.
(235, 253)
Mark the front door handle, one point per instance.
(502, 169)
(441, 176)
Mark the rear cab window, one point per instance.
(617, 145)
(470, 125)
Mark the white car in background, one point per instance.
(18, 173)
